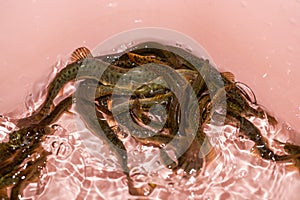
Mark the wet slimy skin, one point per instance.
(159, 75)
(23, 144)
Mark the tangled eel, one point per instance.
(190, 89)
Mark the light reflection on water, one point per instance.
(73, 173)
(81, 170)
(83, 167)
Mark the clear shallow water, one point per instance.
(73, 173)
(83, 167)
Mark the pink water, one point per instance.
(258, 41)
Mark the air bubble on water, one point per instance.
(130, 44)
(55, 144)
(62, 150)
(57, 127)
(189, 49)
(138, 21)
(288, 128)
(265, 75)
(242, 173)
(162, 145)
(233, 166)
(122, 48)
(177, 44)
(112, 4)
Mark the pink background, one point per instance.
(258, 40)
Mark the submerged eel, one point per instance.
(83, 66)
(184, 73)
(80, 69)
(23, 143)
(85, 106)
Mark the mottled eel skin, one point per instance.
(170, 79)
(22, 144)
